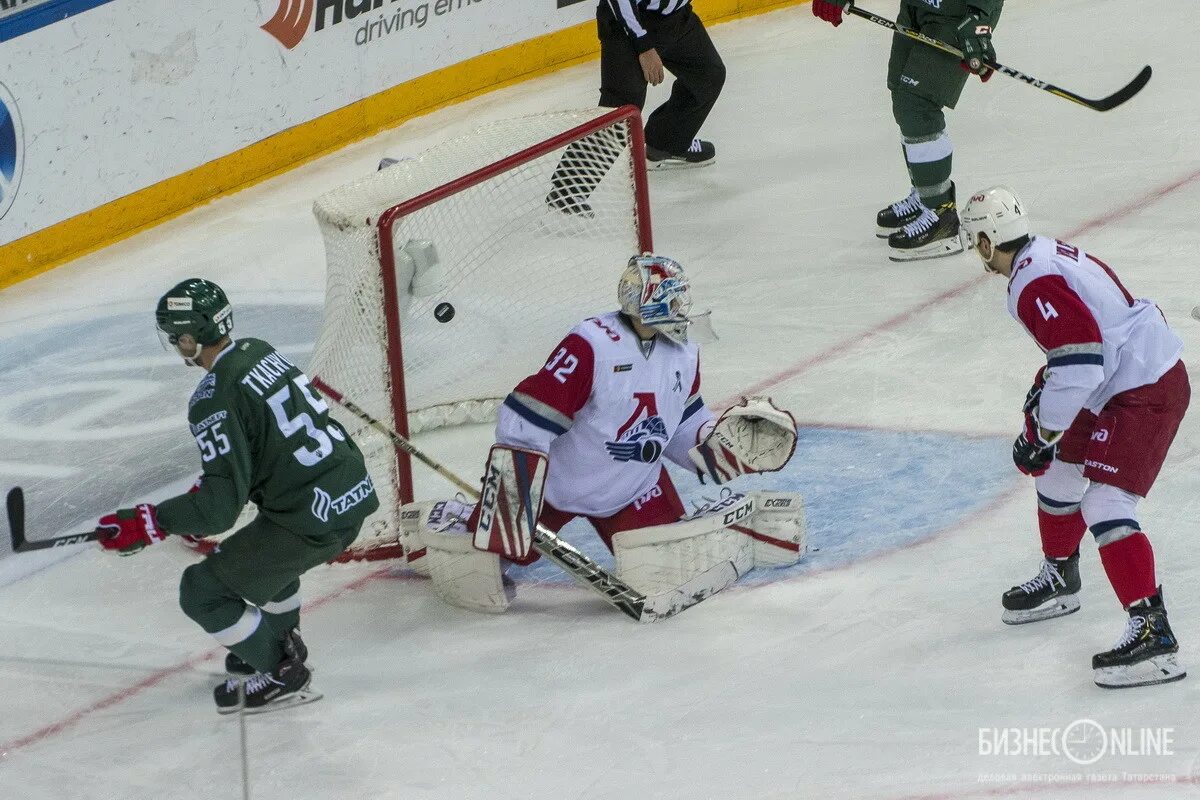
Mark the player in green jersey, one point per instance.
(923, 81)
(266, 437)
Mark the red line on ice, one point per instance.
(55, 728)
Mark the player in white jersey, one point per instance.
(618, 394)
(1099, 420)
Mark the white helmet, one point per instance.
(654, 291)
(996, 212)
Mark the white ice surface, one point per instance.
(864, 679)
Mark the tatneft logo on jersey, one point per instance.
(295, 18)
(323, 503)
(12, 150)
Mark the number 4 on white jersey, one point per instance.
(1048, 312)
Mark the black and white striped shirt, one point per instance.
(630, 11)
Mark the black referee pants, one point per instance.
(686, 51)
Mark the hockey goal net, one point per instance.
(450, 275)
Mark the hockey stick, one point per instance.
(638, 606)
(15, 503)
(1103, 104)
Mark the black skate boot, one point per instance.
(1146, 652)
(236, 666)
(699, 154)
(933, 234)
(1053, 592)
(898, 214)
(286, 685)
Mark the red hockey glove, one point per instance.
(130, 529)
(1031, 453)
(829, 10)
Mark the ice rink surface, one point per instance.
(877, 669)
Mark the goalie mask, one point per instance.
(654, 291)
(193, 314)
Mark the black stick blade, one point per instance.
(16, 517)
(1120, 96)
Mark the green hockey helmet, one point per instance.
(197, 311)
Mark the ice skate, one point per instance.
(898, 214)
(933, 234)
(1146, 653)
(699, 154)
(1053, 592)
(285, 686)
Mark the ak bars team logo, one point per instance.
(12, 150)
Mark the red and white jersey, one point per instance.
(1099, 341)
(606, 408)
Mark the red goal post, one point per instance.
(451, 275)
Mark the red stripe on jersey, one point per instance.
(565, 383)
(1055, 315)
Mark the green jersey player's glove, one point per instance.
(975, 39)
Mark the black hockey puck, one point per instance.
(444, 312)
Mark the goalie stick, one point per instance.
(15, 504)
(1103, 104)
(637, 606)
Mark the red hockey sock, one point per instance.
(1061, 533)
(1129, 563)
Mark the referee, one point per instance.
(638, 40)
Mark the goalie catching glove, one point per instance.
(753, 436)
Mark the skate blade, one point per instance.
(674, 163)
(883, 233)
(938, 249)
(305, 695)
(1056, 607)
(1158, 669)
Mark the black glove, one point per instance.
(1031, 454)
(975, 37)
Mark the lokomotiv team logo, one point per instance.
(12, 150)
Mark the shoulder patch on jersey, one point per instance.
(205, 390)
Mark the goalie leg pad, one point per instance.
(412, 524)
(511, 501)
(778, 529)
(463, 576)
(664, 557)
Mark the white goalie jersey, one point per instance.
(606, 408)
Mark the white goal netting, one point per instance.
(452, 275)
